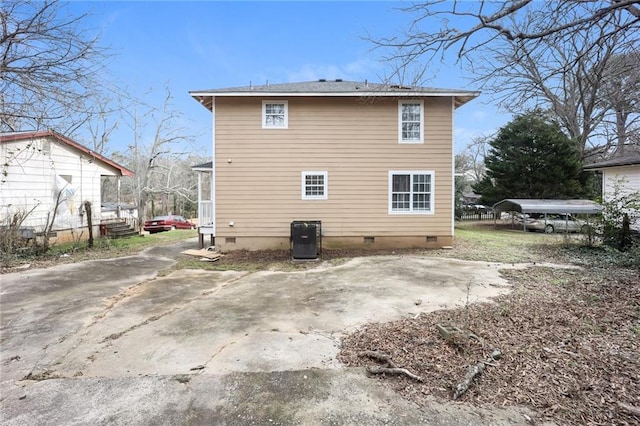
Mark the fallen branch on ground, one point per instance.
(474, 371)
(393, 370)
(630, 408)
(390, 368)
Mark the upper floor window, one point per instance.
(314, 186)
(411, 121)
(410, 192)
(275, 114)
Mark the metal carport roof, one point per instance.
(524, 205)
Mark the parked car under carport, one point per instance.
(550, 223)
(550, 215)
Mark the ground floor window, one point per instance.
(411, 192)
(314, 185)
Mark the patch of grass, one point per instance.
(102, 248)
(190, 262)
(482, 242)
(131, 244)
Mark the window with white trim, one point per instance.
(314, 185)
(411, 192)
(411, 121)
(275, 114)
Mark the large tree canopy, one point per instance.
(531, 157)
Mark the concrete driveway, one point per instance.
(112, 342)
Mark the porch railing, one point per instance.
(205, 213)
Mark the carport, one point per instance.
(543, 206)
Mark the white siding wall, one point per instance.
(628, 177)
(29, 182)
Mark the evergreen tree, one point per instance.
(531, 157)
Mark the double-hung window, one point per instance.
(314, 185)
(411, 192)
(411, 121)
(275, 114)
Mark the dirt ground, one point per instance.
(569, 338)
(140, 340)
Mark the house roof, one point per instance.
(19, 136)
(204, 167)
(630, 157)
(547, 206)
(112, 207)
(337, 88)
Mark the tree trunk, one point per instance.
(87, 209)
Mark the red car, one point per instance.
(167, 223)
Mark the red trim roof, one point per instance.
(18, 136)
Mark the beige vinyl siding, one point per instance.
(258, 171)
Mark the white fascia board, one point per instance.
(333, 94)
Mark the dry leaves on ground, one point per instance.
(570, 344)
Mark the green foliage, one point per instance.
(531, 157)
(620, 211)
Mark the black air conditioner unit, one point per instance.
(306, 239)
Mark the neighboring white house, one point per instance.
(620, 176)
(45, 172)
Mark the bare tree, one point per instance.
(483, 23)
(158, 141)
(560, 77)
(475, 152)
(620, 97)
(530, 55)
(105, 118)
(49, 66)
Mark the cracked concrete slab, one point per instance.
(194, 345)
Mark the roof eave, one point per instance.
(206, 98)
(50, 133)
(604, 165)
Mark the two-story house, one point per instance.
(372, 162)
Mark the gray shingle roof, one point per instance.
(630, 157)
(331, 86)
(204, 166)
(335, 88)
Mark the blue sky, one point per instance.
(213, 44)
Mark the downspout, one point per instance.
(81, 205)
(201, 217)
(213, 166)
(453, 168)
(118, 197)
